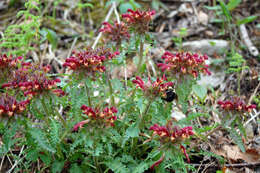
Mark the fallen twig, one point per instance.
(244, 36)
(237, 165)
(106, 19)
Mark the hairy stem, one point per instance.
(141, 51)
(88, 94)
(110, 90)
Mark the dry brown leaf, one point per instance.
(233, 153)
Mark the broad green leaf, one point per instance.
(132, 131)
(246, 20)
(155, 4)
(200, 91)
(217, 7)
(232, 4)
(125, 6)
(52, 38)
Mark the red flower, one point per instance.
(106, 117)
(184, 63)
(116, 32)
(10, 106)
(153, 89)
(138, 20)
(79, 125)
(89, 61)
(32, 79)
(168, 133)
(173, 135)
(236, 104)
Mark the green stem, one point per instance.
(110, 90)
(60, 117)
(47, 114)
(141, 125)
(88, 94)
(141, 51)
(97, 165)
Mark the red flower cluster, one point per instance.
(184, 63)
(7, 65)
(116, 32)
(8, 61)
(139, 20)
(153, 89)
(32, 79)
(10, 106)
(89, 61)
(173, 135)
(106, 116)
(236, 104)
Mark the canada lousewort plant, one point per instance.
(7, 65)
(171, 136)
(138, 20)
(32, 80)
(116, 32)
(89, 62)
(236, 104)
(184, 63)
(9, 106)
(153, 89)
(98, 118)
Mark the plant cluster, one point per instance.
(103, 124)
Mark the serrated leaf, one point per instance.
(75, 168)
(246, 20)
(142, 167)
(200, 91)
(54, 132)
(132, 131)
(41, 139)
(117, 166)
(237, 139)
(57, 166)
(46, 158)
(183, 91)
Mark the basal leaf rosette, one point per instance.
(171, 137)
(138, 20)
(153, 89)
(97, 118)
(181, 64)
(88, 63)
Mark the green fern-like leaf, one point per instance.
(54, 132)
(237, 139)
(117, 166)
(183, 91)
(41, 139)
(141, 168)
